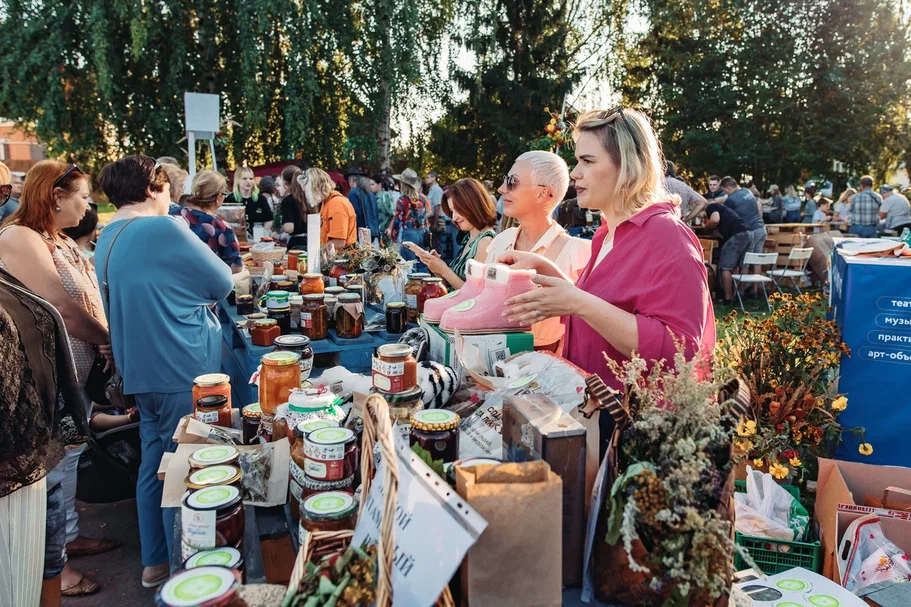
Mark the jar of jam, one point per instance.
(265, 332)
(394, 369)
(222, 557)
(302, 262)
(437, 432)
(283, 317)
(213, 409)
(212, 383)
(278, 268)
(331, 302)
(244, 304)
(337, 272)
(277, 278)
(432, 288)
(328, 511)
(213, 476)
(312, 425)
(349, 316)
(251, 416)
(312, 283)
(209, 586)
(293, 260)
(330, 454)
(297, 302)
(315, 316)
(212, 517)
(396, 317)
(305, 405)
(213, 455)
(286, 285)
(403, 405)
(335, 291)
(276, 299)
(279, 374)
(300, 345)
(252, 318)
(412, 290)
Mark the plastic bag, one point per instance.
(871, 557)
(768, 510)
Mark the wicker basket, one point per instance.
(276, 255)
(377, 429)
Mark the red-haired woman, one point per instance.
(34, 249)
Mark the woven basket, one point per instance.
(276, 255)
(377, 429)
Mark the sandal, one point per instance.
(84, 587)
(101, 545)
(157, 581)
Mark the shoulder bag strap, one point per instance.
(107, 259)
(556, 247)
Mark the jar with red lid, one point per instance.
(431, 288)
(212, 383)
(264, 332)
(330, 454)
(213, 409)
(311, 283)
(394, 369)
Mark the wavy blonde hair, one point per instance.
(317, 187)
(628, 137)
(207, 187)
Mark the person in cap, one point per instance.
(363, 201)
(410, 222)
(895, 210)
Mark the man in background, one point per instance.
(715, 193)
(689, 198)
(865, 209)
(895, 210)
(442, 231)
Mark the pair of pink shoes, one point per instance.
(478, 306)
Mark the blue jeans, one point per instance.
(158, 417)
(864, 231)
(417, 237)
(792, 217)
(55, 540)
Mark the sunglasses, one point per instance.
(6, 190)
(512, 183)
(619, 110)
(72, 168)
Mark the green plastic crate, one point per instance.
(775, 556)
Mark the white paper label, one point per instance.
(315, 469)
(381, 382)
(207, 417)
(296, 490)
(411, 301)
(306, 364)
(388, 369)
(198, 527)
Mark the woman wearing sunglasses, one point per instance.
(645, 286)
(531, 191)
(35, 250)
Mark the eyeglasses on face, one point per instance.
(512, 183)
(71, 168)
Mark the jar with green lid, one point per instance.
(252, 414)
(276, 299)
(213, 455)
(212, 476)
(220, 557)
(328, 511)
(212, 517)
(437, 432)
(208, 586)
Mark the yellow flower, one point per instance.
(840, 403)
(795, 462)
(746, 446)
(865, 449)
(779, 471)
(746, 428)
(758, 462)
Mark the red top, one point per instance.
(655, 271)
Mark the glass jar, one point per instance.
(396, 317)
(335, 291)
(294, 261)
(305, 405)
(286, 285)
(353, 281)
(198, 528)
(403, 405)
(312, 283)
(337, 272)
(244, 304)
(213, 409)
(213, 476)
(394, 369)
(219, 557)
(283, 317)
(331, 302)
(278, 268)
(276, 299)
(251, 414)
(302, 262)
(279, 374)
(213, 455)
(328, 511)
(210, 384)
(349, 316)
(209, 586)
(437, 432)
(277, 278)
(432, 288)
(315, 317)
(412, 290)
(265, 332)
(252, 318)
(297, 302)
(330, 454)
(300, 345)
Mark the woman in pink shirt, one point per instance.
(645, 285)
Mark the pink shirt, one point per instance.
(655, 271)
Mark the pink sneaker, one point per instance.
(484, 312)
(474, 284)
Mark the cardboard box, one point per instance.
(491, 348)
(842, 492)
(534, 428)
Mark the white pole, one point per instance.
(191, 149)
(212, 150)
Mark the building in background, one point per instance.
(19, 150)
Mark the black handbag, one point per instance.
(96, 384)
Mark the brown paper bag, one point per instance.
(517, 560)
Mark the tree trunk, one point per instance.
(384, 129)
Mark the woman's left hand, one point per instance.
(433, 262)
(108, 353)
(556, 297)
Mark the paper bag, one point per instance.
(515, 561)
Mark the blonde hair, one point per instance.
(238, 175)
(408, 190)
(206, 189)
(549, 170)
(317, 187)
(846, 195)
(790, 191)
(5, 175)
(177, 176)
(628, 137)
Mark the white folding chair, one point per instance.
(755, 259)
(802, 257)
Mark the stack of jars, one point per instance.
(212, 399)
(279, 374)
(212, 514)
(395, 377)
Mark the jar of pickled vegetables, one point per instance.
(431, 288)
(412, 290)
(279, 374)
(349, 316)
(315, 317)
(437, 432)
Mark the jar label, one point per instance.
(207, 417)
(187, 551)
(388, 369)
(316, 469)
(411, 301)
(297, 473)
(198, 527)
(381, 382)
(296, 490)
(306, 364)
(307, 320)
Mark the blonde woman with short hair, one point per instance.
(338, 221)
(177, 178)
(207, 194)
(645, 287)
(256, 206)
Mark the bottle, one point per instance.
(588, 218)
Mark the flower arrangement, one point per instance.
(673, 461)
(364, 258)
(789, 360)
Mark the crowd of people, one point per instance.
(137, 299)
